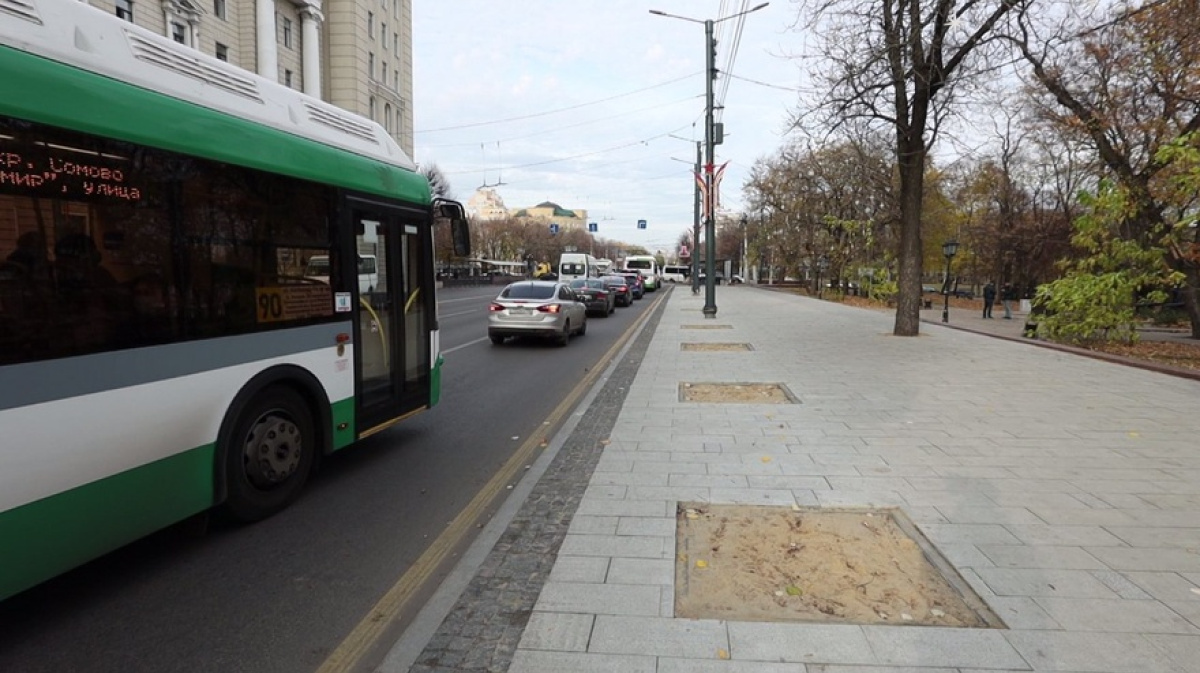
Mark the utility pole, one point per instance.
(710, 239)
(696, 224)
(710, 234)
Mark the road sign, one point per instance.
(641, 224)
(553, 228)
(592, 226)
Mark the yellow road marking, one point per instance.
(364, 636)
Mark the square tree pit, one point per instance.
(860, 566)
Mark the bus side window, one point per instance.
(26, 291)
(89, 303)
(152, 318)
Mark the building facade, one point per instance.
(548, 211)
(356, 54)
(486, 205)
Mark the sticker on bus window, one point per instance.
(341, 302)
(292, 302)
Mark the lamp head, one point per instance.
(950, 248)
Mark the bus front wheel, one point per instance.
(269, 454)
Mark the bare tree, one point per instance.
(899, 62)
(1128, 83)
(439, 184)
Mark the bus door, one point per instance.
(392, 360)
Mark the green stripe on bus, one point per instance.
(66, 530)
(343, 412)
(38, 89)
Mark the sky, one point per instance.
(576, 102)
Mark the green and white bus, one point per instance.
(162, 350)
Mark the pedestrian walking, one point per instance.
(989, 298)
(1008, 294)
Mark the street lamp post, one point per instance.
(710, 242)
(742, 270)
(822, 266)
(949, 249)
(695, 260)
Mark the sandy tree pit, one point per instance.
(738, 562)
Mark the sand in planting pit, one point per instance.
(751, 563)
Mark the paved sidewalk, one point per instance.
(1065, 490)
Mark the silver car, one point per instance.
(539, 308)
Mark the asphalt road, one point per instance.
(281, 595)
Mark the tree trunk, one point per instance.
(912, 186)
(1191, 303)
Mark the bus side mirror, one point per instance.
(460, 229)
(460, 233)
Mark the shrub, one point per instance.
(1097, 298)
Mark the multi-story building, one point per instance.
(486, 204)
(552, 212)
(356, 54)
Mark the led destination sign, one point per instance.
(70, 178)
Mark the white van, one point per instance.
(368, 271)
(574, 265)
(647, 268)
(676, 273)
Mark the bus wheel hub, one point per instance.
(272, 451)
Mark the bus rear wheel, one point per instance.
(269, 455)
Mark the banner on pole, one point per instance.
(716, 188)
(702, 185)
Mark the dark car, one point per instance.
(637, 286)
(959, 292)
(619, 287)
(595, 295)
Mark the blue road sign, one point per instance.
(592, 226)
(641, 224)
(553, 228)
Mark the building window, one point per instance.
(387, 117)
(285, 31)
(219, 8)
(222, 52)
(287, 78)
(384, 77)
(383, 35)
(396, 80)
(178, 32)
(371, 64)
(396, 42)
(371, 25)
(371, 108)
(125, 10)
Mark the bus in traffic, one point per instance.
(648, 268)
(164, 349)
